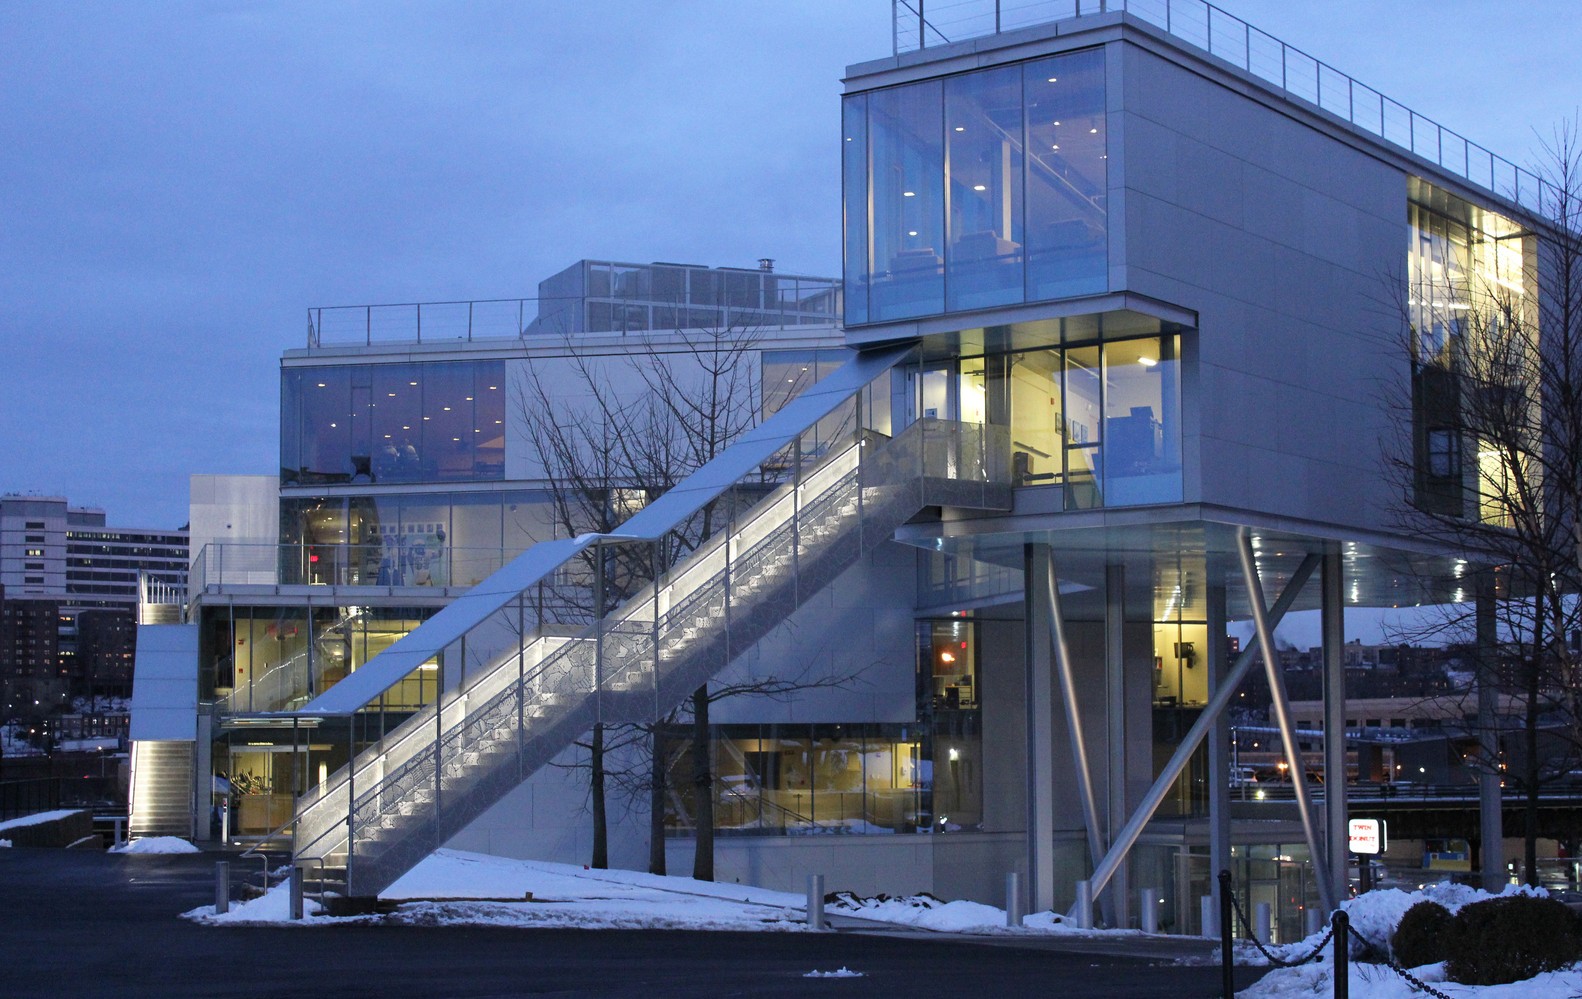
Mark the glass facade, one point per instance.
(1102, 419)
(979, 190)
(1472, 317)
(381, 423)
(275, 658)
(410, 539)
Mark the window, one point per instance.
(983, 189)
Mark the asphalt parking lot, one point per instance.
(87, 924)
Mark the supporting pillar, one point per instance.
(1115, 743)
(1332, 628)
(1491, 804)
(1194, 737)
(1217, 662)
(1040, 735)
(1075, 732)
(1281, 705)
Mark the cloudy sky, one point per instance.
(180, 182)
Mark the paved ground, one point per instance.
(86, 925)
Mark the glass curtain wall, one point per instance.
(790, 780)
(979, 190)
(1473, 323)
(1100, 419)
(377, 423)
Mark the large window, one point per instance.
(378, 423)
(979, 190)
(1101, 419)
(1473, 332)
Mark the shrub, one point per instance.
(1511, 939)
(1422, 934)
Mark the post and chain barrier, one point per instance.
(1340, 932)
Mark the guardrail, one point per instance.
(920, 24)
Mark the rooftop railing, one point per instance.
(921, 24)
(774, 301)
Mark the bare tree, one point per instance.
(1489, 451)
(605, 453)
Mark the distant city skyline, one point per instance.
(186, 180)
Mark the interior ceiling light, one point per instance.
(979, 187)
(1147, 362)
(321, 384)
(908, 194)
(1056, 148)
(959, 128)
(1093, 131)
(1054, 79)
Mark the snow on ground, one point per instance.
(1374, 916)
(156, 844)
(841, 972)
(5, 844)
(39, 819)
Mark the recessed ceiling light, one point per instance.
(1054, 147)
(321, 384)
(492, 388)
(428, 417)
(979, 187)
(911, 232)
(1056, 123)
(1147, 362)
(447, 409)
(961, 128)
(411, 383)
(392, 395)
(908, 194)
(1054, 79)
(469, 398)
(1093, 131)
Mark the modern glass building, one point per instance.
(1110, 380)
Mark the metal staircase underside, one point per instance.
(426, 780)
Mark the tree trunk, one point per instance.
(658, 785)
(702, 787)
(1530, 766)
(601, 832)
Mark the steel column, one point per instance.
(1115, 744)
(1282, 716)
(1183, 754)
(1040, 735)
(1332, 627)
(1219, 763)
(1491, 815)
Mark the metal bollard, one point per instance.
(815, 901)
(118, 823)
(1312, 921)
(1206, 916)
(222, 886)
(296, 891)
(1263, 916)
(1342, 926)
(1013, 899)
(1085, 905)
(1148, 909)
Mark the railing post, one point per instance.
(420, 322)
(1342, 943)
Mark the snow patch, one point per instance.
(274, 906)
(39, 819)
(156, 844)
(841, 972)
(5, 844)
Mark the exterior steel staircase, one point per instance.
(406, 795)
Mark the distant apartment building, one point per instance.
(68, 600)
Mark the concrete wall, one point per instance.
(1289, 245)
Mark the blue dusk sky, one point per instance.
(182, 181)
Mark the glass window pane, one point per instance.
(854, 170)
(908, 201)
(1035, 416)
(1066, 176)
(1142, 461)
(983, 136)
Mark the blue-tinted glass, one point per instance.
(983, 144)
(318, 426)
(1142, 431)
(854, 170)
(908, 169)
(1067, 221)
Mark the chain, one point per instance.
(1278, 962)
(1389, 962)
